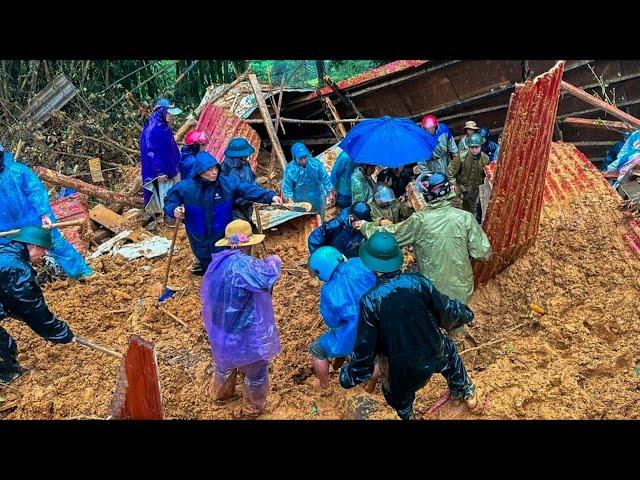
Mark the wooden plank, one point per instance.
(340, 130)
(108, 218)
(596, 123)
(95, 168)
(596, 102)
(138, 395)
(266, 118)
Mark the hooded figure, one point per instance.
(208, 204)
(26, 202)
(306, 180)
(21, 297)
(439, 161)
(238, 316)
(489, 146)
(399, 322)
(159, 156)
(362, 185)
(341, 179)
(339, 232)
(235, 164)
(386, 209)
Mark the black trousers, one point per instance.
(8, 350)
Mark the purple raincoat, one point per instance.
(237, 310)
(159, 154)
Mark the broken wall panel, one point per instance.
(138, 395)
(51, 98)
(222, 126)
(513, 215)
(74, 207)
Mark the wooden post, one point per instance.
(597, 123)
(183, 129)
(92, 190)
(343, 96)
(143, 111)
(266, 118)
(342, 132)
(596, 102)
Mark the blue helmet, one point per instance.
(384, 195)
(361, 211)
(438, 186)
(299, 150)
(324, 261)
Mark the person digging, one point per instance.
(399, 322)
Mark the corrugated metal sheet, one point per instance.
(513, 216)
(69, 208)
(222, 126)
(51, 98)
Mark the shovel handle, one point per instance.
(87, 343)
(173, 244)
(70, 223)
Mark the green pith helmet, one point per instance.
(381, 253)
(35, 235)
(476, 140)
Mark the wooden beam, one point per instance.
(266, 118)
(191, 122)
(56, 178)
(596, 123)
(340, 130)
(596, 102)
(343, 96)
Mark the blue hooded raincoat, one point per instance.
(341, 179)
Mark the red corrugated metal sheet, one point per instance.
(382, 71)
(222, 126)
(513, 214)
(69, 208)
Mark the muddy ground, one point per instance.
(578, 360)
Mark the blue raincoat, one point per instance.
(208, 205)
(159, 154)
(339, 234)
(341, 178)
(187, 158)
(241, 169)
(307, 184)
(629, 150)
(340, 306)
(25, 199)
(237, 308)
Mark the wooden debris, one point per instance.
(95, 168)
(597, 123)
(108, 218)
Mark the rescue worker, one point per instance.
(238, 316)
(306, 180)
(362, 185)
(397, 179)
(339, 231)
(443, 239)
(613, 152)
(21, 297)
(345, 281)
(399, 322)
(159, 157)
(205, 202)
(193, 143)
(489, 147)
(470, 128)
(235, 164)
(25, 202)
(466, 173)
(446, 149)
(341, 173)
(385, 209)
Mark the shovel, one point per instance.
(87, 343)
(70, 223)
(167, 293)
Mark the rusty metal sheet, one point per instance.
(74, 207)
(513, 215)
(51, 98)
(222, 126)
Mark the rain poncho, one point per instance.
(468, 173)
(339, 234)
(22, 298)
(208, 205)
(339, 306)
(628, 152)
(439, 160)
(362, 187)
(237, 309)
(159, 154)
(611, 155)
(489, 147)
(400, 320)
(307, 184)
(462, 144)
(398, 182)
(444, 237)
(341, 178)
(25, 200)
(187, 159)
(395, 211)
(240, 169)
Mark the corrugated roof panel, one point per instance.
(513, 215)
(51, 98)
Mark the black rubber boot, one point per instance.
(197, 269)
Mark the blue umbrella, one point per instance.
(388, 142)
